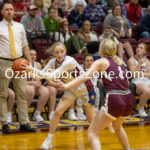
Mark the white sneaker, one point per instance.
(142, 112)
(28, 119)
(51, 114)
(37, 117)
(46, 144)
(81, 116)
(111, 129)
(9, 117)
(72, 116)
(96, 110)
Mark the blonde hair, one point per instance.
(145, 46)
(109, 49)
(51, 50)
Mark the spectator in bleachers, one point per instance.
(77, 16)
(51, 24)
(140, 63)
(109, 4)
(119, 23)
(94, 13)
(120, 46)
(134, 12)
(19, 8)
(144, 25)
(89, 37)
(41, 9)
(47, 3)
(26, 3)
(144, 3)
(71, 41)
(59, 13)
(75, 1)
(33, 25)
(66, 5)
(35, 88)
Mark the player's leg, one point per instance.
(120, 132)
(63, 105)
(100, 122)
(51, 100)
(43, 95)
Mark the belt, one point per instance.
(9, 59)
(124, 92)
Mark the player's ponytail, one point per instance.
(109, 48)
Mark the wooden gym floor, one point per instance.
(76, 139)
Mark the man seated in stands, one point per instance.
(94, 13)
(134, 12)
(19, 9)
(33, 25)
(144, 25)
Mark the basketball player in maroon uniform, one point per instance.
(119, 100)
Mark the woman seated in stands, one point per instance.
(70, 40)
(140, 63)
(59, 12)
(42, 10)
(77, 15)
(66, 5)
(119, 23)
(88, 36)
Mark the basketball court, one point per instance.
(72, 135)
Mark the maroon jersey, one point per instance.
(116, 77)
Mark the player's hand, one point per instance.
(27, 68)
(61, 84)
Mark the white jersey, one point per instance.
(143, 80)
(67, 71)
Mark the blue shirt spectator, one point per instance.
(144, 25)
(94, 13)
(77, 16)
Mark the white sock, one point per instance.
(50, 136)
(79, 110)
(37, 112)
(141, 108)
(71, 110)
(51, 112)
(9, 113)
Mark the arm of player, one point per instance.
(98, 65)
(48, 74)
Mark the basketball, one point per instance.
(17, 66)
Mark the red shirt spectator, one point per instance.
(134, 12)
(19, 9)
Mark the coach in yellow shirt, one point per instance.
(13, 45)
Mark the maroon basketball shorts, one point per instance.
(119, 103)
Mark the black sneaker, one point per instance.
(6, 129)
(27, 128)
